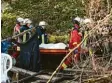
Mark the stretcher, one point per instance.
(54, 51)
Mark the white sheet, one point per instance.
(53, 46)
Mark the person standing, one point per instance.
(17, 27)
(26, 26)
(29, 49)
(75, 39)
(42, 32)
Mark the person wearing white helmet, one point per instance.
(42, 24)
(19, 23)
(29, 54)
(42, 32)
(74, 41)
(26, 25)
(29, 22)
(78, 19)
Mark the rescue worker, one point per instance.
(75, 39)
(26, 26)
(16, 48)
(87, 23)
(17, 27)
(23, 38)
(8, 43)
(42, 32)
(29, 50)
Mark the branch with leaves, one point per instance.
(90, 32)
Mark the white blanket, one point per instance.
(53, 46)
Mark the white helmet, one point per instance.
(78, 19)
(27, 21)
(42, 23)
(20, 19)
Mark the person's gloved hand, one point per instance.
(75, 51)
(13, 40)
(66, 48)
(9, 38)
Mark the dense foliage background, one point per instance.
(57, 13)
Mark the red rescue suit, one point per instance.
(75, 39)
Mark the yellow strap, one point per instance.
(70, 49)
(74, 43)
(18, 48)
(24, 37)
(43, 38)
(18, 31)
(85, 41)
(75, 55)
(64, 65)
(38, 37)
(90, 52)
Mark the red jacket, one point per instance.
(75, 39)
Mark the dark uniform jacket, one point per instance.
(29, 54)
(42, 35)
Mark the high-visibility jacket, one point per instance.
(42, 35)
(30, 54)
(25, 36)
(85, 42)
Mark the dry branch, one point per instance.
(27, 72)
(90, 32)
(15, 36)
(100, 79)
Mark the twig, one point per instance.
(98, 79)
(90, 32)
(15, 36)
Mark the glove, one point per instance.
(75, 51)
(66, 48)
(9, 38)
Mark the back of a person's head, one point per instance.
(76, 22)
(27, 21)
